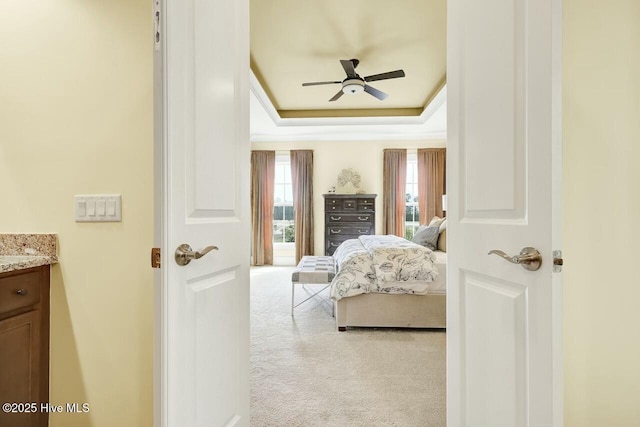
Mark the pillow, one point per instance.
(443, 225)
(422, 227)
(436, 220)
(427, 237)
(442, 241)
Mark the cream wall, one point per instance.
(602, 213)
(76, 118)
(330, 157)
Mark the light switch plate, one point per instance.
(98, 208)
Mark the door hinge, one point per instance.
(156, 24)
(558, 262)
(156, 257)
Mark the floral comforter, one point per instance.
(384, 264)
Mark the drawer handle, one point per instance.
(335, 245)
(22, 292)
(335, 232)
(363, 231)
(363, 218)
(365, 207)
(336, 218)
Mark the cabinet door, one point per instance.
(20, 366)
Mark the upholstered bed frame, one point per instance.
(392, 310)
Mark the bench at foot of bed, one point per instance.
(316, 270)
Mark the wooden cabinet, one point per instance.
(24, 344)
(347, 216)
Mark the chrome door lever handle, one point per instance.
(529, 258)
(184, 253)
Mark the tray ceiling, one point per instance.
(295, 41)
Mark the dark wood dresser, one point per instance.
(347, 216)
(24, 346)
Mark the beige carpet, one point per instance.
(305, 373)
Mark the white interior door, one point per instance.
(202, 364)
(504, 160)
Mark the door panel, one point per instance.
(214, 67)
(214, 353)
(204, 306)
(495, 323)
(493, 73)
(503, 193)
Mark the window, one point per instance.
(283, 229)
(412, 212)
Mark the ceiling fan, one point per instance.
(355, 84)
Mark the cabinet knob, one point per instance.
(22, 292)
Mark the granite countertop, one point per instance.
(21, 251)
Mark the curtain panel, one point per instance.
(432, 164)
(394, 187)
(302, 186)
(263, 171)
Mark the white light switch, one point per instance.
(98, 208)
(81, 209)
(111, 208)
(101, 208)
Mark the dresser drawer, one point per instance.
(366, 205)
(349, 205)
(340, 218)
(329, 250)
(333, 242)
(329, 203)
(349, 229)
(341, 205)
(19, 291)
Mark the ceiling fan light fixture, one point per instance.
(353, 86)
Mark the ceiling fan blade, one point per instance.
(319, 83)
(336, 96)
(375, 92)
(385, 76)
(348, 67)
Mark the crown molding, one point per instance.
(341, 136)
(342, 128)
(256, 88)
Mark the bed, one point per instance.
(387, 281)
